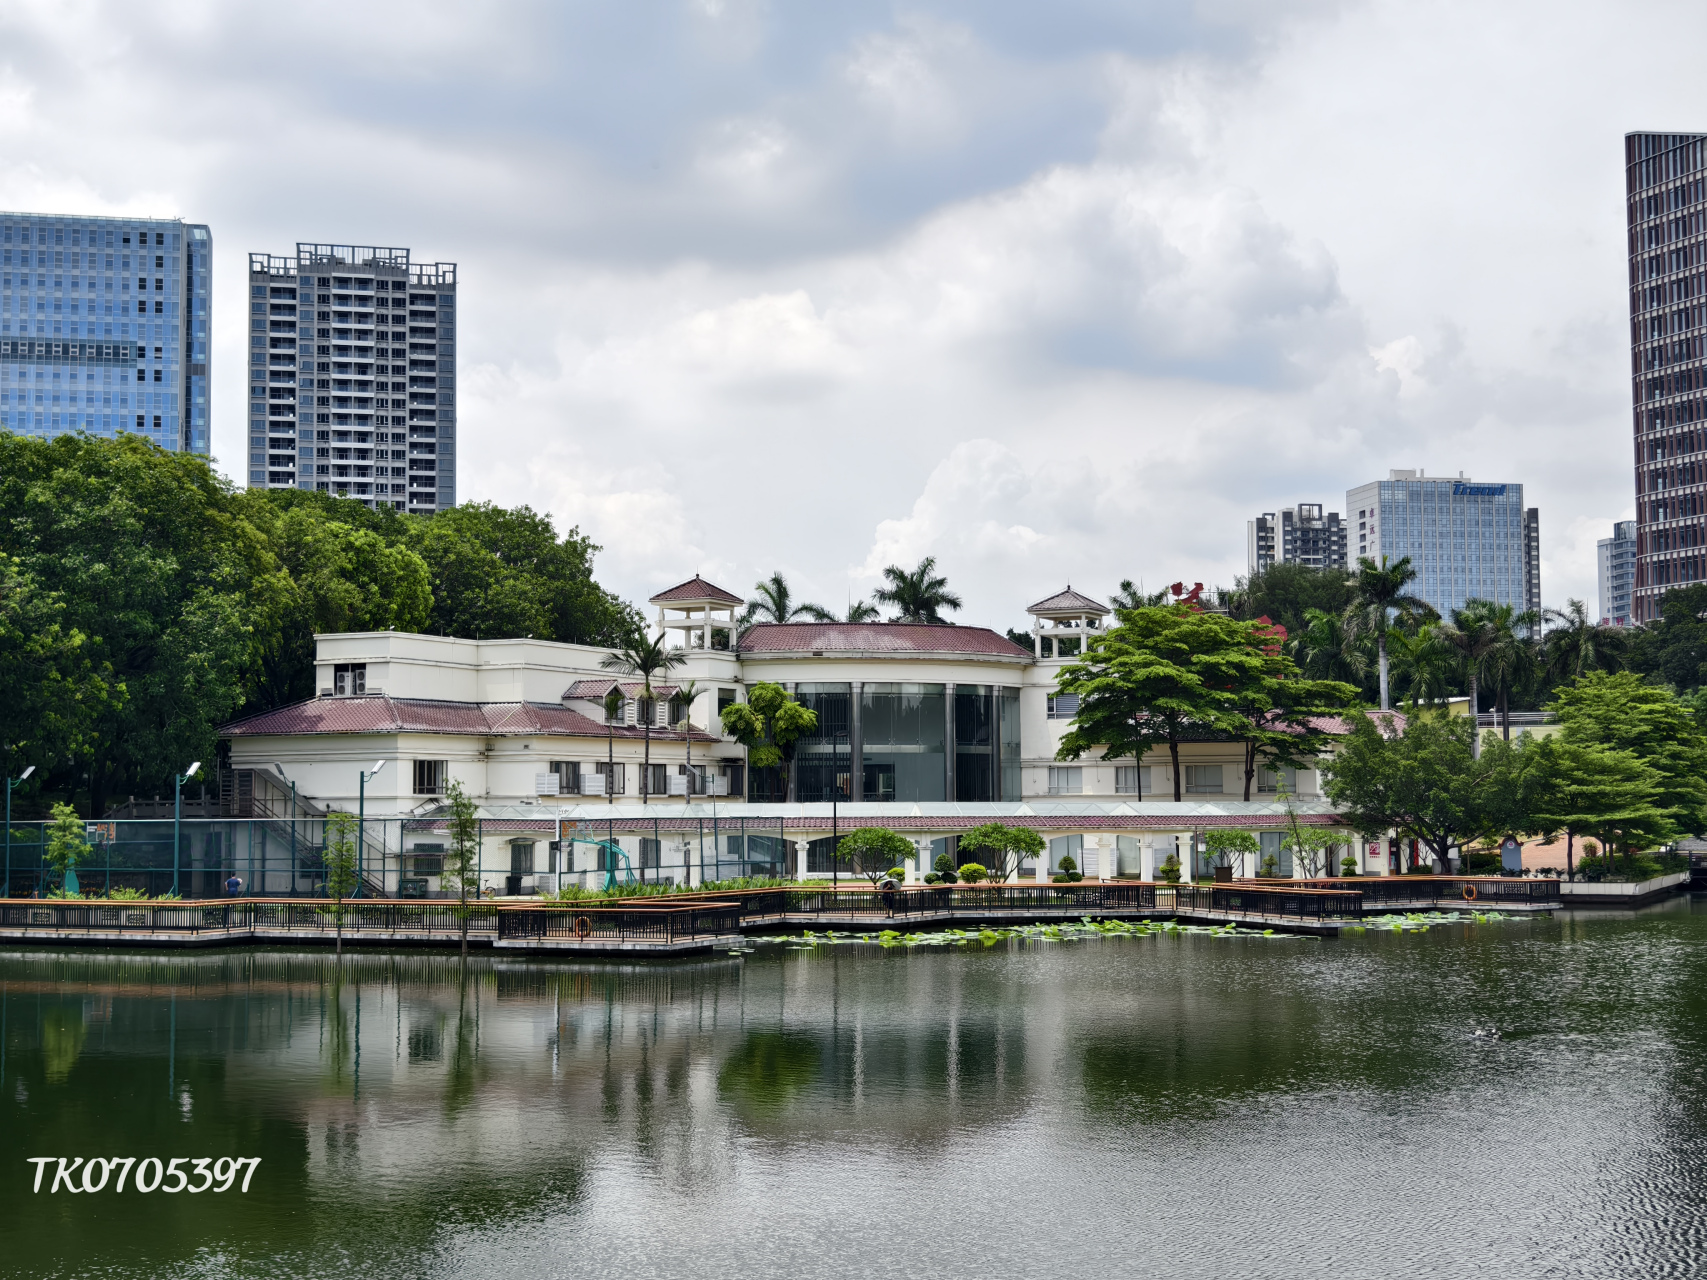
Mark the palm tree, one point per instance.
(645, 658)
(1328, 651)
(919, 595)
(613, 709)
(1471, 635)
(1511, 660)
(1577, 646)
(775, 603)
(686, 693)
(1132, 597)
(862, 611)
(1378, 600)
(1425, 664)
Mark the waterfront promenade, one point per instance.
(692, 923)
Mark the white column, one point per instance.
(1107, 858)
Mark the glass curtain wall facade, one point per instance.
(1666, 207)
(903, 742)
(1617, 572)
(104, 327)
(352, 375)
(1467, 541)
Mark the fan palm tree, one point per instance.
(1379, 600)
(645, 658)
(774, 602)
(1577, 646)
(1328, 651)
(918, 595)
(1471, 635)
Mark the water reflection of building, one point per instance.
(930, 729)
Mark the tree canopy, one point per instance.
(918, 595)
(144, 601)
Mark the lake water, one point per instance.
(1174, 1106)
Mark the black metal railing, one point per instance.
(805, 906)
(1244, 898)
(605, 926)
(1436, 891)
(244, 915)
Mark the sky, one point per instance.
(1055, 293)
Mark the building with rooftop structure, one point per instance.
(934, 727)
(352, 375)
(1296, 535)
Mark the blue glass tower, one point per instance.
(104, 327)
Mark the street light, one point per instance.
(178, 781)
(361, 817)
(10, 783)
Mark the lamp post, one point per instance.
(10, 783)
(361, 818)
(178, 781)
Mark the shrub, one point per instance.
(1170, 869)
(1270, 866)
(943, 863)
(972, 873)
(1067, 865)
(1348, 865)
(932, 877)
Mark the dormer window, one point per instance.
(349, 678)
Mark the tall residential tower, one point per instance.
(1617, 566)
(352, 375)
(1665, 188)
(104, 327)
(1298, 535)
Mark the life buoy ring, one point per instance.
(583, 926)
(1469, 893)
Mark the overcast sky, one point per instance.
(1055, 292)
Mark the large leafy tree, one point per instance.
(1423, 781)
(770, 723)
(1287, 720)
(1001, 849)
(1157, 675)
(874, 851)
(1590, 791)
(917, 595)
(1617, 711)
(1674, 648)
(146, 556)
(1288, 593)
(1379, 602)
(773, 601)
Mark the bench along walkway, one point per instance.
(693, 922)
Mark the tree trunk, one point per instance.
(1381, 654)
(464, 920)
(1173, 752)
(1475, 724)
(1505, 715)
(338, 917)
(1250, 765)
(646, 769)
(1569, 871)
(610, 762)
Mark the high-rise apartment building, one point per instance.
(1467, 541)
(1666, 207)
(1297, 535)
(1617, 556)
(352, 375)
(104, 327)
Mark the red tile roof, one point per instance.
(595, 690)
(381, 713)
(696, 590)
(1068, 601)
(877, 637)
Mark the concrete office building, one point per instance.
(1467, 541)
(104, 327)
(1296, 535)
(352, 375)
(1666, 207)
(1617, 557)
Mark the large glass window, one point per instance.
(904, 728)
(823, 761)
(1008, 713)
(974, 742)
